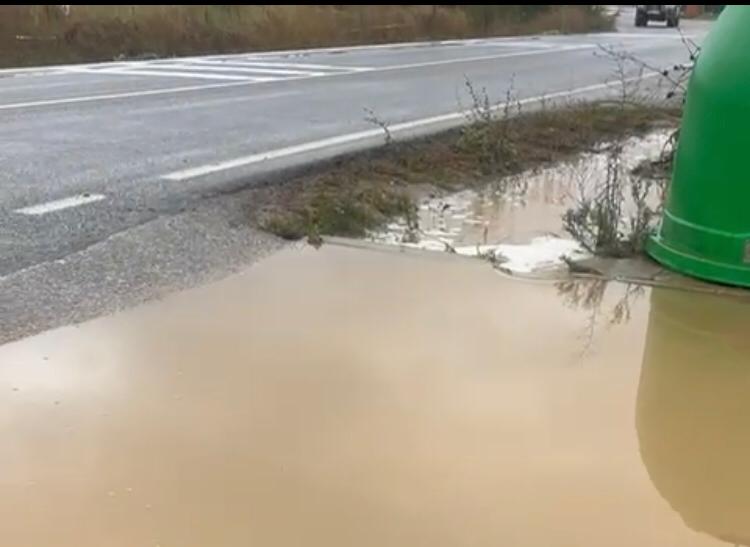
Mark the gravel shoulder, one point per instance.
(168, 253)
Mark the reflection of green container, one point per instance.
(693, 410)
(706, 227)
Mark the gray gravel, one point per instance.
(168, 253)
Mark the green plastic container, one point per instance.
(705, 231)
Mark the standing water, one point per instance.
(347, 397)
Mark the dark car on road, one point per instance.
(669, 13)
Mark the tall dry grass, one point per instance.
(37, 34)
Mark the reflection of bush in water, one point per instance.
(589, 295)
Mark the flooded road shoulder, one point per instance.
(344, 397)
(517, 209)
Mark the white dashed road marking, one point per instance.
(123, 95)
(234, 68)
(251, 62)
(59, 205)
(175, 74)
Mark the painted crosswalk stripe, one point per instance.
(250, 62)
(212, 69)
(257, 70)
(180, 74)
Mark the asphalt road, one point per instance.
(91, 152)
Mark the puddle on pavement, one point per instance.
(518, 209)
(349, 397)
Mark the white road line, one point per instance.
(398, 45)
(177, 74)
(124, 95)
(211, 168)
(172, 90)
(97, 67)
(59, 205)
(260, 55)
(195, 65)
(269, 64)
(537, 44)
(486, 57)
(62, 69)
(392, 67)
(672, 35)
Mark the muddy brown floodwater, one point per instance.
(519, 207)
(349, 397)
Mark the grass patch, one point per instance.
(363, 192)
(333, 207)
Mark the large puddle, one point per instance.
(346, 397)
